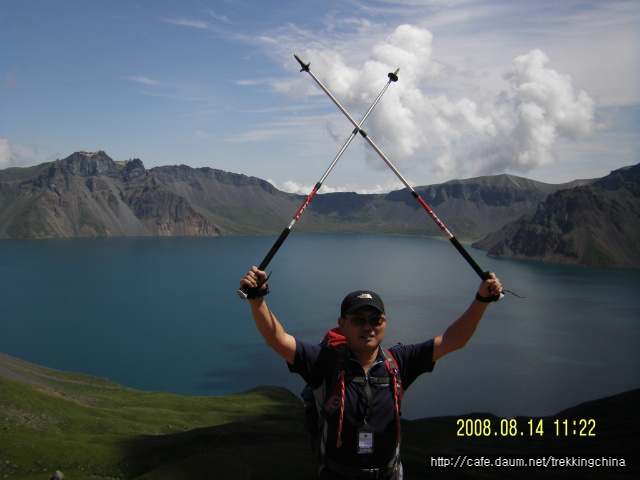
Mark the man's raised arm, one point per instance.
(460, 331)
(266, 322)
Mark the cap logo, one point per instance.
(364, 295)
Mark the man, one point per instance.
(361, 431)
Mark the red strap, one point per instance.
(397, 389)
(339, 442)
(396, 402)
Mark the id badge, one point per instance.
(365, 439)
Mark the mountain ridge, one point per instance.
(595, 225)
(89, 194)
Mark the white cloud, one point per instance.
(541, 107)
(187, 23)
(257, 135)
(454, 113)
(290, 186)
(144, 80)
(7, 157)
(214, 15)
(12, 155)
(250, 82)
(478, 131)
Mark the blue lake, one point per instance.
(162, 314)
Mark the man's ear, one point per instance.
(341, 322)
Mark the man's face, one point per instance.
(364, 328)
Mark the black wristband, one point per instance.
(258, 292)
(482, 299)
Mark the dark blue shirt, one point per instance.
(315, 364)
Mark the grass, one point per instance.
(92, 429)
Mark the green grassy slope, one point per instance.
(90, 428)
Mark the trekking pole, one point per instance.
(393, 77)
(481, 273)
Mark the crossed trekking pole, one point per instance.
(393, 77)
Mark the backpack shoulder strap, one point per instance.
(394, 372)
(391, 362)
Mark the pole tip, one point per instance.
(305, 66)
(393, 76)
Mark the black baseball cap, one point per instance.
(361, 298)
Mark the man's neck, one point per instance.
(366, 358)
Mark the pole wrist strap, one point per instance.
(482, 299)
(258, 292)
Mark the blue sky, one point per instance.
(548, 90)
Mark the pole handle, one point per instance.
(267, 259)
(244, 292)
(484, 275)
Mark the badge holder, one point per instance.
(365, 439)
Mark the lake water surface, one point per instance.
(162, 314)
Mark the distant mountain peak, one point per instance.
(91, 154)
(86, 164)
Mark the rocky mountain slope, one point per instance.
(89, 194)
(594, 225)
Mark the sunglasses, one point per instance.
(374, 321)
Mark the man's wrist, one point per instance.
(482, 299)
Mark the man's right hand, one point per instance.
(253, 285)
(253, 278)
